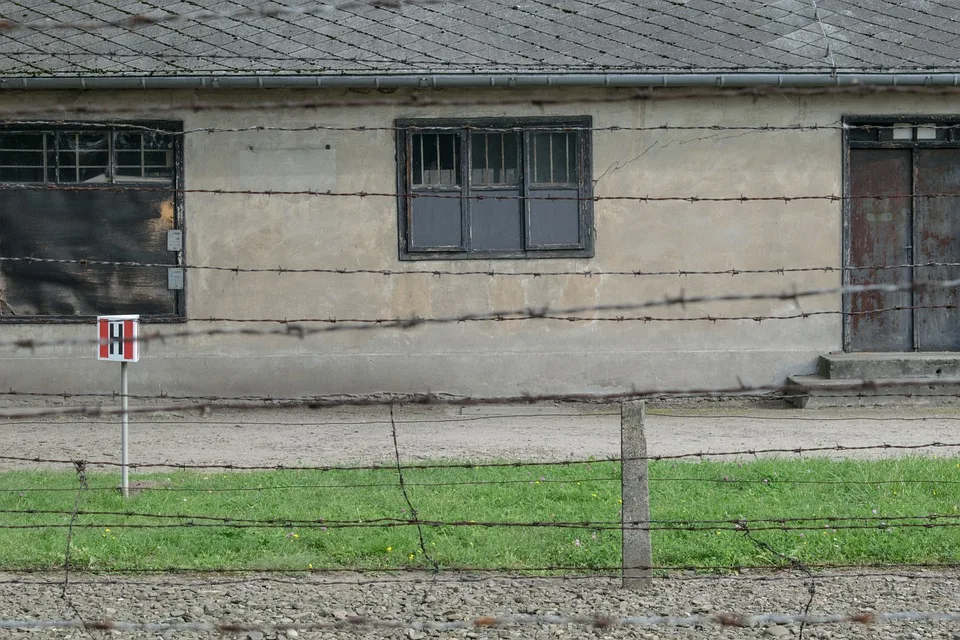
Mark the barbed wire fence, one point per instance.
(778, 563)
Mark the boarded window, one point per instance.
(76, 197)
(495, 188)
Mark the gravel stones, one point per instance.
(292, 599)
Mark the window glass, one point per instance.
(494, 158)
(517, 190)
(82, 157)
(554, 158)
(21, 157)
(143, 155)
(436, 159)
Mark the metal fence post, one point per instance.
(637, 552)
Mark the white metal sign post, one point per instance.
(118, 343)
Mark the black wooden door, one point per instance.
(879, 236)
(902, 212)
(936, 239)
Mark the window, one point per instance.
(96, 193)
(495, 188)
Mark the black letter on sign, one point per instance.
(116, 338)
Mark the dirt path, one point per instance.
(344, 436)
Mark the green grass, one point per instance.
(679, 491)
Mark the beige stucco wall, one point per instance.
(492, 358)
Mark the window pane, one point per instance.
(554, 158)
(93, 174)
(496, 224)
(436, 159)
(93, 158)
(435, 223)
(158, 172)
(21, 157)
(129, 171)
(21, 141)
(554, 222)
(124, 141)
(494, 158)
(158, 158)
(863, 132)
(540, 162)
(128, 158)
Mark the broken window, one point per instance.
(482, 188)
(73, 197)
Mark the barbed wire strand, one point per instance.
(826, 521)
(681, 299)
(433, 195)
(699, 455)
(794, 562)
(406, 496)
(539, 273)
(766, 481)
(211, 522)
(175, 133)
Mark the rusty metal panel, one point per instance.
(937, 239)
(125, 225)
(880, 234)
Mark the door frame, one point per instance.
(848, 143)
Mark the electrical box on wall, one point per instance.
(175, 279)
(175, 240)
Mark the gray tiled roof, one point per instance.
(510, 36)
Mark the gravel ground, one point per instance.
(343, 436)
(460, 598)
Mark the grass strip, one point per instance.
(869, 492)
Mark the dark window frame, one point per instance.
(175, 128)
(526, 126)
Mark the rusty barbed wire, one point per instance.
(551, 571)
(374, 485)
(697, 455)
(828, 522)
(765, 481)
(487, 622)
(758, 318)
(836, 125)
(529, 313)
(691, 199)
(539, 273)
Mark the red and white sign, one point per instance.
(118, 338)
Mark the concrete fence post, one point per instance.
(637, 552)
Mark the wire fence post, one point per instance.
(637, 552)
(124, 429)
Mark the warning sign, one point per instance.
(118, 338)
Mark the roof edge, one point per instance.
(479, 80)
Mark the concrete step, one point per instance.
(875, 366)
(818, 392)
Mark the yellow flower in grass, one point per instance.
(389, 549)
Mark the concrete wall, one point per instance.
(496, 357)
